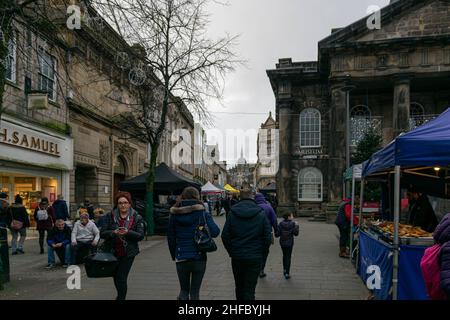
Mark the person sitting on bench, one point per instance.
(85, 236)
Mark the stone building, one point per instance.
(36, 148)
(265, 171)
(61, 131)
(396, 78)
(242, 172)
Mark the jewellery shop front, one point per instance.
(34, 162)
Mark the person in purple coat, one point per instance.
(272, 217)
(442, 236)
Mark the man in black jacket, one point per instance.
(422, 214)
(246, 236)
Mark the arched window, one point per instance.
(310, 128)
(310, 184)
(416, 115)
(360, 122)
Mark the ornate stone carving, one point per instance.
(104, 154)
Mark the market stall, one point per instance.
(419, 158)
(210, 189)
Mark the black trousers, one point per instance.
(41, 238)
(80, 251)
(345, 236)
(287, 253)
(121, 277)
(246, 274)
(190, 275)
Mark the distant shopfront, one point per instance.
(34, 162)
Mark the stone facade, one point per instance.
(265, 171)
(396, 78)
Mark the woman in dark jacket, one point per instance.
(191, 263)
(442, 236)
(45, 220)
(287, 229)
(17, 212)
(122, 229)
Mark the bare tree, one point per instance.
(170, 42)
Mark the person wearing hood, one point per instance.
(190, 262)
(270, 214)
(18, 222)
(60, 209)
(287, 229)
(246, 237)
(442, 237)
(122, 229)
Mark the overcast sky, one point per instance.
(270, 29)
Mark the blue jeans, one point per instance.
(62, 250)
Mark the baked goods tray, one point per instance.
(413, 241)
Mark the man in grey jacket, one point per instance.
(246, 236)
(85, 236)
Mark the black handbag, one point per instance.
(202, 237)
(101, 265)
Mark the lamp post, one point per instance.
(347, 88)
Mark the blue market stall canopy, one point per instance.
(166, 179)
(425, 146)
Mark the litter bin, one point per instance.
(4, 255)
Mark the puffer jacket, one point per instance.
(287, 229)
(134, 235)
(270, 213)
(442, 236)
(182, 224)
(247, 231)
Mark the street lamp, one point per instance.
(348, 86)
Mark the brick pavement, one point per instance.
(316, 273)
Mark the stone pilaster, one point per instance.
(401, 105)
(337, 142)
(284, 176)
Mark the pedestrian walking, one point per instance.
(184, 219)
(18, 222)
(342, 221)
(84, 238)
(246, 237)
(442, 237)
(58, 242)
(271, 216)
(45, 219)
(60, 209)
(122, 229)
(287, 229)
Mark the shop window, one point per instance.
(310, 129)
(310, 184)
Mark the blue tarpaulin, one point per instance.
(410, 281)
(427, 145)
(375, 253)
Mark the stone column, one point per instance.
(337, 142)
(401, 105)
(284, 176)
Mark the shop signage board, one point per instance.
(31, 144)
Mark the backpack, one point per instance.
(431, 272)
(42, 215)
